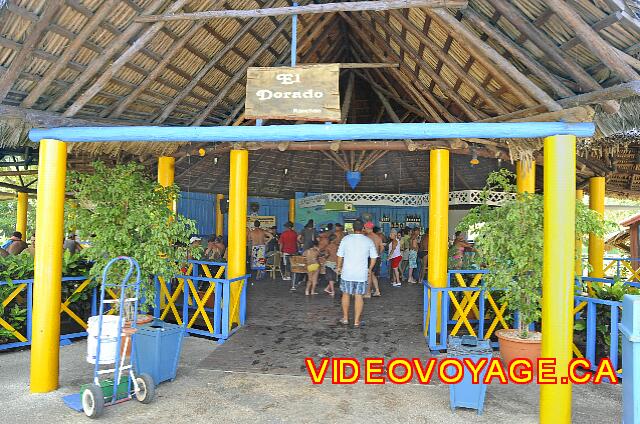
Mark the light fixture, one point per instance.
(215, 161)
(385, 175)
(285, 171)
(474, 156)
(499, 161)
(201, 152)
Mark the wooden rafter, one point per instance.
(213, 62)
(36, 31)
(518, 53)
(592, 40)
(308, 9)
(68, 53)
(494, 62)
(282, 27)
(97, 64)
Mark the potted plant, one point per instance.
(509, 244)
(123, 212)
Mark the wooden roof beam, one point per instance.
(206, 68)
(68, 53)
(592, 40)
(422, 96)
(449, 62)
(122, 59)
(95, 65)
(495, 62)
(35, 32)
(241, 72)
(517, 52)
(542, 41)
(308, 9)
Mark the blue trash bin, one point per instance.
(465, 394)
(157, 350)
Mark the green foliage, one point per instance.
(510, 244)
(124, 213)
(615, 292)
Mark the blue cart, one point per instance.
(111, 342)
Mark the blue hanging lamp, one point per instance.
(353, 178)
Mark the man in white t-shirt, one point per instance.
(356, 258)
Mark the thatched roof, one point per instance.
(90, 62)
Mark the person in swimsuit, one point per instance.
(373, 277)
(258, 239)
(312, 258)
(460, 244)
(331, 260)
(413, 254)
(395, 257)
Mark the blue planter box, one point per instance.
(465, 394)
(157, 350)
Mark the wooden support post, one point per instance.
(592, 40)
(438, 221)
(526, 177)
(166, 174)
(237, 220)
(47, 282)
(578, 270)
(21, 213)
(558, 273)
(292, 211)
(596, 244)
(219, 215)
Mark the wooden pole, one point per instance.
(308, 9)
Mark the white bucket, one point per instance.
(108, 339)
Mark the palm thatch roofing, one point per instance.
(95, 62)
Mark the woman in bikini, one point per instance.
(312, 256)
(460, 244)
(331, 260)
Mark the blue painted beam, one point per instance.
(315, 132)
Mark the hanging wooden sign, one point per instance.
(304, 93)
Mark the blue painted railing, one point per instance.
(622, 268)
(193, 300)
(477, 301)
(23, 295)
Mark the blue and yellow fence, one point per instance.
(468, 307)
(202, 300)
(622, 268)
(18, 296)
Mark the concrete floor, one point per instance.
(223, 384)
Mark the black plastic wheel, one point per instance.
(93, 401)
(147, 388)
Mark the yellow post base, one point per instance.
(45, 333)
(558, 272)
(21, 214)
(438, 221)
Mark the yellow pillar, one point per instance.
(166, 174)
(596, 244)
(292, 210)
(45, 333)
(219, 215)
(438, 220)
(558, 272)
(526, 177)
(21, 214)
(579, 198)
(237, 223)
